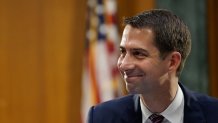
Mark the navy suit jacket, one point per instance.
(198, 108)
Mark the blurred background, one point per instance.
(55, 54)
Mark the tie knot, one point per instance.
(156, 118)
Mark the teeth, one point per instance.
(125, 76)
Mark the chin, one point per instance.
(132, 90)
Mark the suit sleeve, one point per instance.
(90, 115)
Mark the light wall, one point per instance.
(41, 50)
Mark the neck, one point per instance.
(159, 99)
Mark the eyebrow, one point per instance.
(135, 49)
(139, 49)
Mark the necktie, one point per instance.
(155, 118)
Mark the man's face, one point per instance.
(139, 63)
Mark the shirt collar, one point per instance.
(174, 111)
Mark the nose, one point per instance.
(125, 63)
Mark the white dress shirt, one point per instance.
(174, 112)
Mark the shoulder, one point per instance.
(115, 104)
(112, 111)
(202, 99)
(207, 102)
(200, 102)
(209, 107)
(199, 107)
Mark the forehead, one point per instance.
(137, 38)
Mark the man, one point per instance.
(153, 51)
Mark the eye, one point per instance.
(122, 51)
(139, 54)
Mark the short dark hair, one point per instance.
(171, 33)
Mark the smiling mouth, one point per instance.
(132, 77)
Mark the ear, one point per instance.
(175, 60)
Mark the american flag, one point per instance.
(101, 81)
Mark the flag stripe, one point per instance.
(95, 90)
(101, 81)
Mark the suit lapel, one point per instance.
(192, 109)
(133, 113)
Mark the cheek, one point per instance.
(147, 67)
(118, 66)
